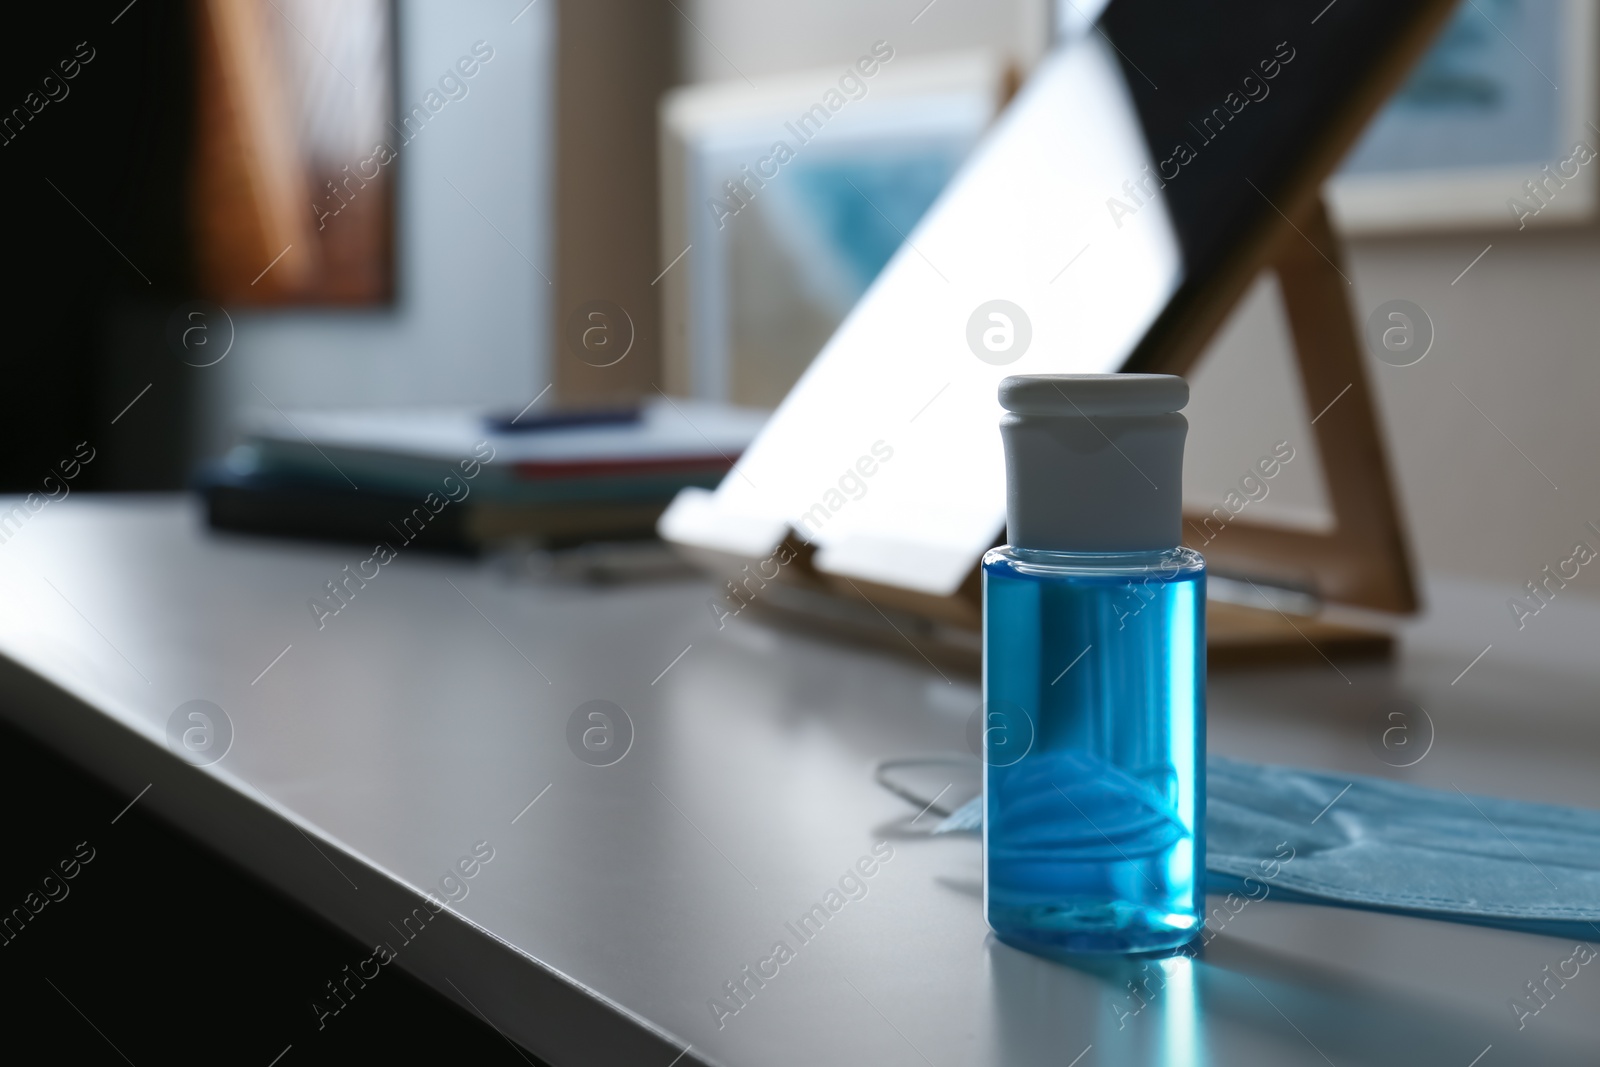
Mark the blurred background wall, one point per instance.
(473, 224)
(733, 38)
(1518, 334)
(96, 219)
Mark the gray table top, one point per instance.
(432, 713)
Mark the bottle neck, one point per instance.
(1178, 559)
(1104, 484)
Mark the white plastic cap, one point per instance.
(1094, 462)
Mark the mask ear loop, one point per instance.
(887, 775)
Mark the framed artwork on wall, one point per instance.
(1496, 127)
(295, 148)
(784, 203)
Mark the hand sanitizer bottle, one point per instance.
(1094, 673)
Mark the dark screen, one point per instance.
(1246, 92)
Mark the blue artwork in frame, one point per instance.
(1484, 94)
(1506, 89)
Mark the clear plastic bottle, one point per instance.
(1094, 674)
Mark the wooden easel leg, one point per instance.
(1316, 296)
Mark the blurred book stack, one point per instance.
(459, 480)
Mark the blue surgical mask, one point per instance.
(1350, 840)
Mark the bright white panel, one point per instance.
(1025, 221)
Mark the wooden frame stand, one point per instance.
(1363, 561)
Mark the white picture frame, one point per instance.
(713, 134)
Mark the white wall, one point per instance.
(1517, 335)
(469, 324)
(723, 40)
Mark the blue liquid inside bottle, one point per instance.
(1094, 748)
